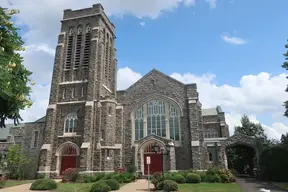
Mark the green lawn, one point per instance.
(210, 187)
(75, 187)
(283, 185)
(11, 183)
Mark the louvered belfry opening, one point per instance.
(87, 45)
(78, 48)
(69, 50)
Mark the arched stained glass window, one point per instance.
(156, 118)
(139, 132)
(174, 126)
(70, 123)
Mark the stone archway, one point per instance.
(156, 158)
(66, 157)
(238, 139)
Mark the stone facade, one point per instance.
(101, 129)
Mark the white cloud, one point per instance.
(126, 77)
(233, 40)
(42, 16)
(256, 95)
(142, 23)
(212, 3)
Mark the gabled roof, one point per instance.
(41, 120)
(159, 73)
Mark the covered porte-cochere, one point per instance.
(255, 143)
(161, 152)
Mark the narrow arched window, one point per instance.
(174, 123)
(210, 157)
(139, 123)
(70, 123)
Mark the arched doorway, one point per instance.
(67, 156)
(250, 145)
(152, 149)
(241, 159)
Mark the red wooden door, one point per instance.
(68, 162)
(155, 164)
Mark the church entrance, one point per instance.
(68, 158)
(155, 158)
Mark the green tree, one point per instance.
(284, 139)
(15, 82)
(285, 66)
(16, 162)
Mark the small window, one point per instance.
(210, 157)
(70, 123)
(63, 93)
(35, 139)
(110, 110)
(82, 91)
(73, 93)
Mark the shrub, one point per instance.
(272, 163)
(168, 185)
(168, 176)
(226, 176)
(193, 178)
(212, 179)
(100, 186)
(44, 184)
(212, 171)
(120, 178)
(2, 182)
(113, 184)
(85, 178)
(179, 179)
(70, 175)
(156, 179)
(183, 173)
(108, 176)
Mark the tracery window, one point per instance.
(70, 123)
(173, 123)
(155, 113)
(139, 132)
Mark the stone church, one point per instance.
(91, 126)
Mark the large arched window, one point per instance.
(157, 117)
(70, 123)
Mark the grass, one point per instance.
(209, 187)
(282, 185)
(76, 187)
(11, 183)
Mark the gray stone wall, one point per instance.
(153, 84)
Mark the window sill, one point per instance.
(69, 135)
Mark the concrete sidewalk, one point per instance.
(139, 185)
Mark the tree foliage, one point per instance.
(15, 84)
(285, 66)
(284, 139)
(16, 161)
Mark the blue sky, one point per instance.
(232, 49)
(189, 39)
